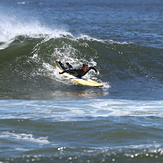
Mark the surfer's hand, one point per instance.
(97, 72)
(60, 72)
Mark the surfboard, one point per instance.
(81, 81)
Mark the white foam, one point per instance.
(12, 26)
(129, 108)
(80, 110)
(88, 38)
(25, 137)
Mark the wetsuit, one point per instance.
(75, 72)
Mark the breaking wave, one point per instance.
(28, 51)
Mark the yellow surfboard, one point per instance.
(82, 81)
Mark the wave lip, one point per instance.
(9, 30)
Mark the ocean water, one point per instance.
(46, 118)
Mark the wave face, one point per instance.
(27, 62)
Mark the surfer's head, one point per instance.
(85, 67)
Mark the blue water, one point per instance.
(47, 118)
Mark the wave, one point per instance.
(28, 51)
(120, 59)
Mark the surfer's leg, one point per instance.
(62, 65)
(69, 66)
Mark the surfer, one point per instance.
(75, 72)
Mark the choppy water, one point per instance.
(46, 118)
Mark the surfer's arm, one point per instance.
(74, 72)
(62, 72)
(67, 71)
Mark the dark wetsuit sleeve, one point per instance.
(64, 71)
(74, 72)
(69, 71)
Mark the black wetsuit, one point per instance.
(75, 72)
